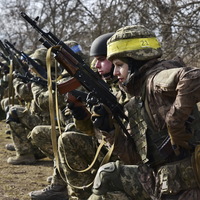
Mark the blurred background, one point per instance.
(176, 23)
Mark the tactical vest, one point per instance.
(140, 129)
(148, 141)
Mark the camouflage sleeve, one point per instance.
(41, 96)
(188, 95)
(22, 90)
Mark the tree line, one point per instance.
(175, 22)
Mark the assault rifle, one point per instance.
(82, 73)
(4, 57)
(40, 70)
(27, 79)
(8, 55)
(5, 50)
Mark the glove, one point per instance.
(180, 141)
(78, 112)
(91, 99)
(77, 108)
(102, 118)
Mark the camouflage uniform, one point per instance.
(4, 90)
(77, 151)
(3, 86)
(7, 98)
(3, 79)
(22, 119)
(41, 137)
(163, 106)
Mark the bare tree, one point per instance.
(175, 22)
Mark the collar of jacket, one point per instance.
(134, 82)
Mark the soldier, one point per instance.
(22, 119)
(164, 123)
(8, 97)
(104, 67)
(41, 137)
(4, 71)
(77, 149)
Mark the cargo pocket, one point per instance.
(175, 177)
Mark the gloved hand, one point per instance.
(78, 112)
(102, 118)
(77, 108)
(180, 141)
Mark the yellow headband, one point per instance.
(132, 44)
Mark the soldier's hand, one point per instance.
(78, 112)
(77, 108)
(102, 118)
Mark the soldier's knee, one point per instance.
(67, 138)
(34, 133)
(12, 116)
(107, 179)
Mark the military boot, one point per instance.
(51, 192)
(10, 147)
(22, 159)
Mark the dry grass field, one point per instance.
(16, 181)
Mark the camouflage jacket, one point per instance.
(22, 90)
(165, 95)
(38, 98)
(40, 103)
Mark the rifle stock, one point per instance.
(77, 68)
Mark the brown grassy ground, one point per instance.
(16, 181)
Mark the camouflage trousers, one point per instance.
(21, 123)
(115, 182)
(174, 181)
(41, 137)
(76, 152)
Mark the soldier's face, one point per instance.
(120, 70)
(103, 65)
